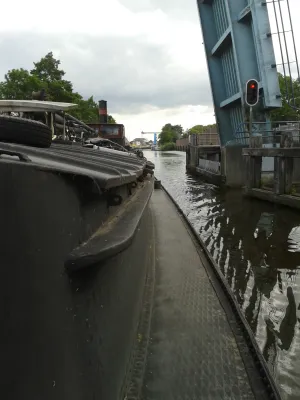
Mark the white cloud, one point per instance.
(144, 56)
(101, 18)
(136, 54)
(152, 120)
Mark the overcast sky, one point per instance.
(145, 57)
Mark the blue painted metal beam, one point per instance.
(238, 47)
(245, 14)
(211, 35)
(222, 42)
(236, 97)
(265, 54)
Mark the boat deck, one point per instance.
(192, 351)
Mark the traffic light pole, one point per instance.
(250, 121)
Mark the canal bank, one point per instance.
(248, 162)
(257, 248)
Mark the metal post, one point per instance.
(250, 121)
(64, 124)
(52, 124)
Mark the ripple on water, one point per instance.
(294, 240)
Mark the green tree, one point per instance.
(47, 69)
(178, 131)
(170, 133)
(88, 110)
(288, 88)
(19, 84)
(111, 120)
(198, 129)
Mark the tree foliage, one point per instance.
(47, 70)
(168, 147)
(289, 89)
(19, 84)
(198, 129)
(170, 133)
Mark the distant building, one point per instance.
(139, 142)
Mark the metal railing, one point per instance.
(270, 132)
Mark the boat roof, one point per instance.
(106, 167)
(33, 105)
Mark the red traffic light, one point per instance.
(252, 92)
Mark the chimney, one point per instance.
(103, 111)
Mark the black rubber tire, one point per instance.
(24, 131)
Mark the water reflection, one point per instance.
(256, 246)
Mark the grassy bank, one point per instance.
(168, 146)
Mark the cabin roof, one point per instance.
(106, 167)
(33, 105)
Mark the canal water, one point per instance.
(257, 247)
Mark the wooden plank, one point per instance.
(279, 175)
(248, 173)
(256, 142)
(273, 152)
(286, 140)
(289, 168)
(256, 171)
(290, 201)
(253, 172)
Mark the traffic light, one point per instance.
(252, 92)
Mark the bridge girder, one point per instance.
(238, 46)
